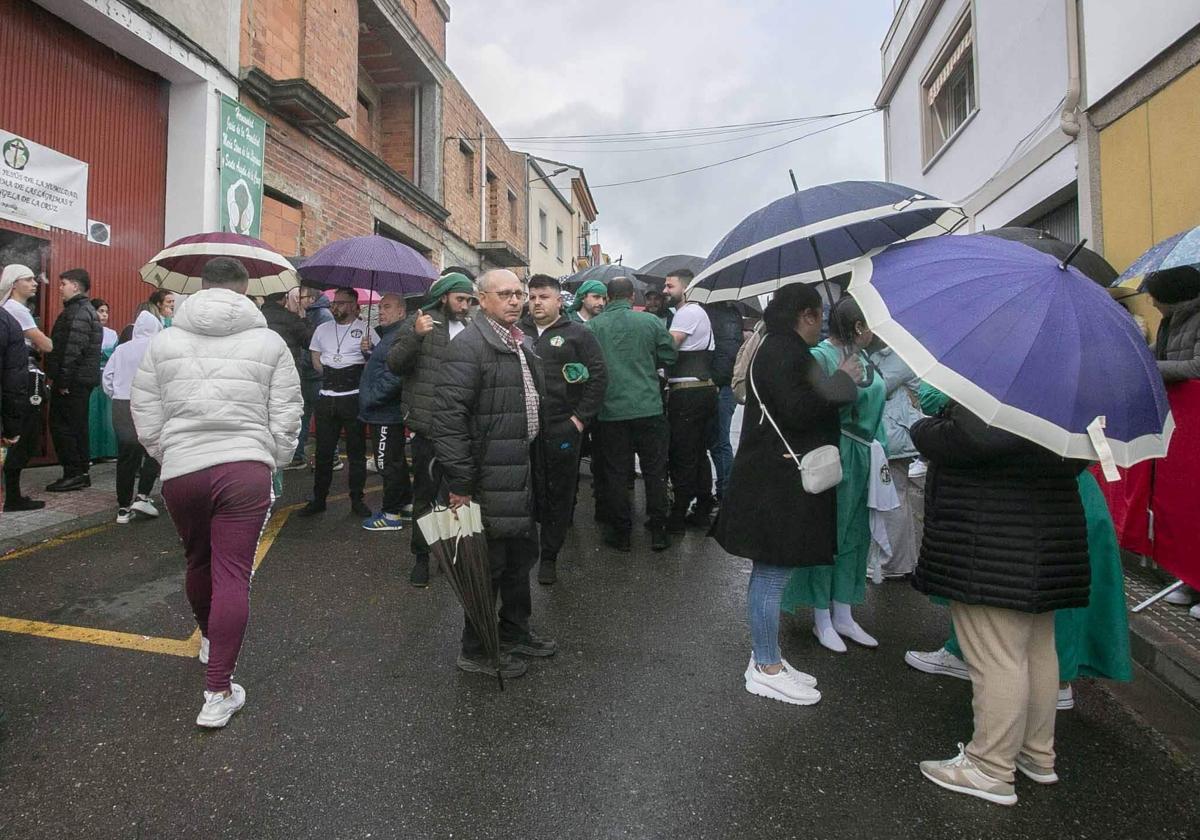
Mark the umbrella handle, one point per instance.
(1074, 252)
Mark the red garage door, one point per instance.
(67, 91)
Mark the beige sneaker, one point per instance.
(1041, 775)
(960, 775)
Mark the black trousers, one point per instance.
(393, 467)
(133, 464)
(69, 429)
(692, 413)
(21, 452)
(618, 441)
(511, 561)
(334, 416)
(561, 443)
(426, 481)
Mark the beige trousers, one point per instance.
(1014, 674)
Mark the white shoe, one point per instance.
(203, 650)
(143, 505)
(123, 516)
(960, 775)
(830, 639)
(803, 678)
(1194, 612)
(218, 708)
(338, 464)
(1181, 597)
(855, 634)
(940, 661)
(1041, 775)
(783, 687)
(1066, 699)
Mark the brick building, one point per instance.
(368, 131)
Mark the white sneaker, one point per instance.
(803, 678)
(856, 634)
(144, 505)
(830, 639)
(783, 687)
(218, 708)
(203, 650)
(1066, 699)
(338, 464)
(960, 775)
(1181, 597)
(123, 516)
(1194, 612)
(940, 661)
(1041, 775)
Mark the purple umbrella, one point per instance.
(370, 262)
(1023, 342)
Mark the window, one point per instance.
(558, 243)
(468, 153)
(948, 92)
(512, 213)
(543, 228)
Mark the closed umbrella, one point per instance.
(1025, 343)
(815, 234)
(177, 267)
(1090, 264)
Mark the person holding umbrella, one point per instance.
(590, 299)
(487, 416)
(379, 404)
(863, 450)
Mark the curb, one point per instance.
(33, 538)
(1173, 662)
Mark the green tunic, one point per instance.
(102, 440)
(845, 580)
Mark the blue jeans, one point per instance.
(721, 449)
(767, 583)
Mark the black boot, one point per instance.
(419, 577)
(548, 571)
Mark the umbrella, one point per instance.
(605, 274)
(655, 272)
(366, 297)
(1174, 251)
(456, 539)
(1090, 264)
(177, 267)
(813, 234)
(1028, 344)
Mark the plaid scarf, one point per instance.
(513, 337)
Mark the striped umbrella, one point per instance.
(818, 233)
(177, 267)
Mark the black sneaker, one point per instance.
(509, 668)
(617, 539)
(547, 572)
(295, 464)
(22, 503)
(660, 540)
(359, 508)
(534, 645)
(65, 485)
(419, 576)
(311, 509)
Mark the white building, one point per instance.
(561, 213)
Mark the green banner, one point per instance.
(243, 135)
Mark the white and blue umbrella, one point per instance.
(818, 233)
(1182, 249)
(1024, 342)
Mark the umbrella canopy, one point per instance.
(655, 272)
(1180, 249)
(375, 263)
(606, 273)
(1027, 346)
(177, 267)
(1090, 264)
(816, 233)
(366, 297)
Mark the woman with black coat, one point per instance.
(766, 515)
(1006, 542)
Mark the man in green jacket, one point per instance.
(631, 421)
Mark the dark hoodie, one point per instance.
(563, 342)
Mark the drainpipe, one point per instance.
(1070, 112)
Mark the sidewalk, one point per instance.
(1164, 639)
(64, 512)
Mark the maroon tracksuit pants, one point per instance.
(220, 513)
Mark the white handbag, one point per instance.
(821, 468)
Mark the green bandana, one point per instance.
(591, 287)
(453, 282)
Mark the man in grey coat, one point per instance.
(487, 415)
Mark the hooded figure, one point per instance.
(122, 366)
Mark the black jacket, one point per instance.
(561, 343)
(727, 338)
(379, 390)
(766, 515)
(294, 330)
(479, 428)
(77, 336)
(14, 376)
(1004, 525)
(418, 360)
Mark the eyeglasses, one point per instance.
(511, 294)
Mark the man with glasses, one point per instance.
(487, 417)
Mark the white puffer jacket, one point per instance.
(216, 388)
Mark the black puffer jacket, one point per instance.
(293, 329)
(77, 336)
(14, 376)
(479, 428)
(561, 343)
(727, 339)
(418, 359)
(1004, 524)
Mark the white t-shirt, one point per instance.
(455, 327)
(24, 317)
(692, 321)
(340, 346)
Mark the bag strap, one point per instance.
(762, 407)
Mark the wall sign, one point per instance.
(40, 186)
(243, 135)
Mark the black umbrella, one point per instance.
(605, 274)
(1092, 265)
(656, 271)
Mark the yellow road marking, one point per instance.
(131, 641)
(55, 541)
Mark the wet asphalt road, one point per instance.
(358, 724)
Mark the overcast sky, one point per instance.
(555, 67)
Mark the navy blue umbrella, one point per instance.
(814, 234)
